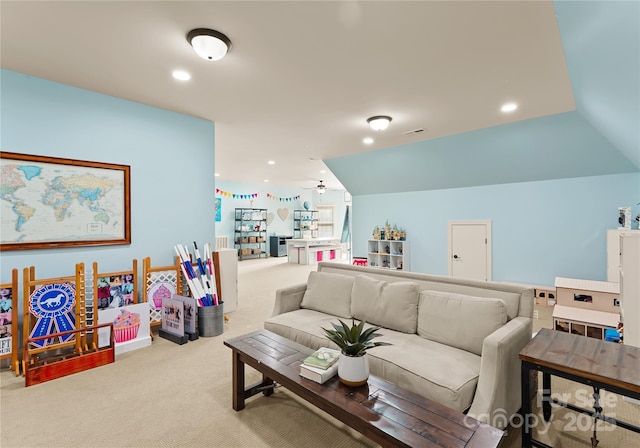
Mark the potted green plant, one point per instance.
(353, 342)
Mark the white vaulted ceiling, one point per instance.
(302, 77)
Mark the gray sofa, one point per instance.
(453, 341)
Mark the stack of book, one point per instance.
(321, 365)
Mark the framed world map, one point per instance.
(51, 202)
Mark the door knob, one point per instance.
(455, 256)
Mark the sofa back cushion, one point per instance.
(518, 299)
(390, 305)
(459, 320)
(328, 293)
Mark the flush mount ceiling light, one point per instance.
(321, 188)
(379, 122)
(209, 44)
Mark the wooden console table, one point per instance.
(603, 365)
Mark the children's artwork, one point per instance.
(115, 291)
(190, 313)
(159, 282)
(130, 327)
(159, 291)
(53, 306)
(173, 316)
(6, 312)
(218, 203)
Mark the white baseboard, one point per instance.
(135, 344)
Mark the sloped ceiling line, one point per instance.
(601, 137)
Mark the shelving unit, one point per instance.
(630, 287)
(388, 254)
(305, 224)
(250, 236)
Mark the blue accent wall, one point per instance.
(553, 147)
(540, 230)
(171, 157)
(601, 42)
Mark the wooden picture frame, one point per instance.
(54, 202)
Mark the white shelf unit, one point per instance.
(388, 254)
(630, 287)
(613, 252)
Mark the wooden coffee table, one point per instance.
(387, 414)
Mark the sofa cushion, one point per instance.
(459, 320)
(390, 305)
(439, 372)
(445, 374)
(366, 291)
(328, 293)
(304, 327)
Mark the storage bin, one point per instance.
(210, 320)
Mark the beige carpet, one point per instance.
(168, 395)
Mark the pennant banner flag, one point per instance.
(236, 195)
(278, 198)
(255, 195)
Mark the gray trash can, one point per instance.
(210, 320)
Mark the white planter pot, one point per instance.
(353, 371)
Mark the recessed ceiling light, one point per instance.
(271, 162)
(367, 140)
(509, 107)
(217, 174)
(266, 180)
(323, 171)
(181, 75)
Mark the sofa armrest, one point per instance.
(288, 299)
(498, 392)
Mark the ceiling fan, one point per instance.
(321, 188)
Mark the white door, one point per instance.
(470, 249)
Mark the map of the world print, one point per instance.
(50, 202)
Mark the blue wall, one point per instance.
(540, 230)
(277, 226)
(171, 157)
